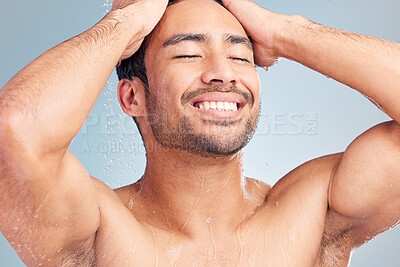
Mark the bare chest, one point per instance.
(275, 245)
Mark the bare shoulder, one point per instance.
(103, 191)
(312, 175)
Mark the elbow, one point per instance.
(11, 132)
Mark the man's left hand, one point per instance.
(260, 25)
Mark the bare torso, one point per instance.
(289, 224)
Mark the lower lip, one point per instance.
(219, 114)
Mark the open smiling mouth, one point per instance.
(217, 105)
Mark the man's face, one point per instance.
(203, 86)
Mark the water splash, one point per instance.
(107, 6)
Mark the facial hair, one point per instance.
(177, 131)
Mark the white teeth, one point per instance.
(213, 105)
(227, 106)
(220, 106)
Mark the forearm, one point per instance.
(369, 65)
(47, 102)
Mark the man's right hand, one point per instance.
(145, 14)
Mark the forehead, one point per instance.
(196, 16)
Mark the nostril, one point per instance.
(217, 80)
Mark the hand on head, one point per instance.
(144, 15)
(260, 25)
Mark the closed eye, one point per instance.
(240, 59)
(187, 56)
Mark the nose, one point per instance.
(219, 71)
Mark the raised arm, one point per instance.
(365, 186)
(47, 199)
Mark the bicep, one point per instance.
(365, 187)
(46, 204)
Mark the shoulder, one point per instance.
(305, 190)
(107, 195)
(314, 174)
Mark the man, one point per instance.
(193, 206)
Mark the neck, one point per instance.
(188, 193)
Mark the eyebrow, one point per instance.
(203, 38)
(237, 39)
(181, 37)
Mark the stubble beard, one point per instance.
(209, 144)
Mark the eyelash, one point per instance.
(241, 59)
(196, 56)
(187, 56)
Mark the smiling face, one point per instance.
(203, 86)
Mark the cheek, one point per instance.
(174, 81)
(251, 81)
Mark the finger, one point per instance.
(248, 13)
(242, 9)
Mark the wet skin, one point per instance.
(199, 210)
(278, 226)
(193, 206)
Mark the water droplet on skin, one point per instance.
(208, 220)
(277, 204)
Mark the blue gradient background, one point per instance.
(290, 94)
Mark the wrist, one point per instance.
(125, 23)
(285, 39)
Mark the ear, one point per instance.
(132, 97)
